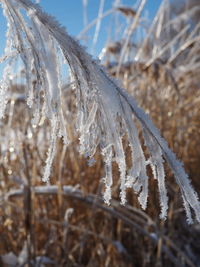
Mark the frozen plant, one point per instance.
(105, 111)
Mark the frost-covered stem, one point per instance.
(93, 22)
(130, 32)
(150, 30)
(168, 45)
(98, 25)
(109, 119)
(176, 166)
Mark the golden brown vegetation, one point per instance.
(67, 221)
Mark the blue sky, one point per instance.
(70, 14)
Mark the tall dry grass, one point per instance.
(66, 221)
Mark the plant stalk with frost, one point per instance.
(104, 110)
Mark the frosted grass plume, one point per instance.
(105, 111)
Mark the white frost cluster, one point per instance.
(38, 52)
(105, 111)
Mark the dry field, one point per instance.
(65, 222)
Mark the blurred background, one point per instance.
(153, 49)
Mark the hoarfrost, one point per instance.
(104, 110)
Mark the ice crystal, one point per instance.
(105, 111)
